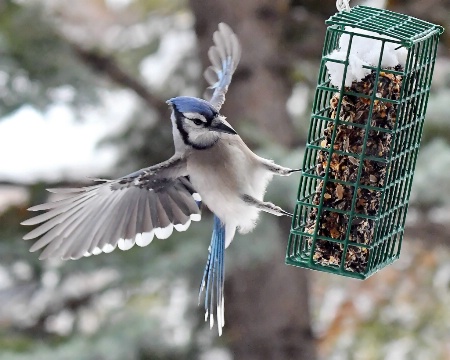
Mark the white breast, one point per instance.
(224, 173)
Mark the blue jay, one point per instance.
(211, 165)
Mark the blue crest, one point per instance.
(186, 104)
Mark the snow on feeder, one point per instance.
(364, 136)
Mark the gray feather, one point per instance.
(42, 229)
(154, 212)
(109, 217)
(220, 46)
(214, 56)
(72, 190)
(141, 205)
(166, 204)
(111, 233)
(92, 217)
(50, 249)
(189, 202)
(57, 211)
(81, 238)
(163, 220)
(130, 228)
(46, 239)
(58, 247)
(236, 51)
(126, 208)
(55, 204)
(226, 33)
(179, 217)
(147, 225)
(187, 184)
(224, 56)
(57, 227)
(181, 199)
(211, 76)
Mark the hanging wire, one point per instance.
(343, 5)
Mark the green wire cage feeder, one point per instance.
(363, 141)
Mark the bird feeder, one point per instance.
(364, 137)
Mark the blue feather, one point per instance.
(192, 104)
(214, 277)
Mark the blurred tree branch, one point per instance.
(38, 329)
(27, 38)
(432, 233)
(155, 147)
(107, 66)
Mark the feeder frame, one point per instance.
(420, 39)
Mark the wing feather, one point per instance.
(85, 239)
(113, 233)
(218, 41)
(163, 219)
(106, 224)
(57, 211)
(130, 228)
(147, 224)
(180, 199)
(142, 199)
(179, 217)
(166, 205)
(122, 212)
(77, 223)
(57, 203)
(214, 56)
(43, 228)
(224, 56)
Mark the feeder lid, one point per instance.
(407, 29)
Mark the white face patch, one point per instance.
(194, 115)
(202, 137)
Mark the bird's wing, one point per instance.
(133, 209)
(224, 56)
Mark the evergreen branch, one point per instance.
(107, 66)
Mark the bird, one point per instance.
(211, 165)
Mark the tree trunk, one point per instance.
(268, 309)
(267, 312)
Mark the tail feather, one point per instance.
(214, 277)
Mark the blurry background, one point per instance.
(83, 86)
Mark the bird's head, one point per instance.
(198, 122)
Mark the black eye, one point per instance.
(197, 121)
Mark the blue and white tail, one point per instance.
(214, 277)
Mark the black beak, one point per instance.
(221, 126)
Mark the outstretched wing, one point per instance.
(224, 57)
(132, 209)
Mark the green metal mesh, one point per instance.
(362, 149)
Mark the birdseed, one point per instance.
(339, 192)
